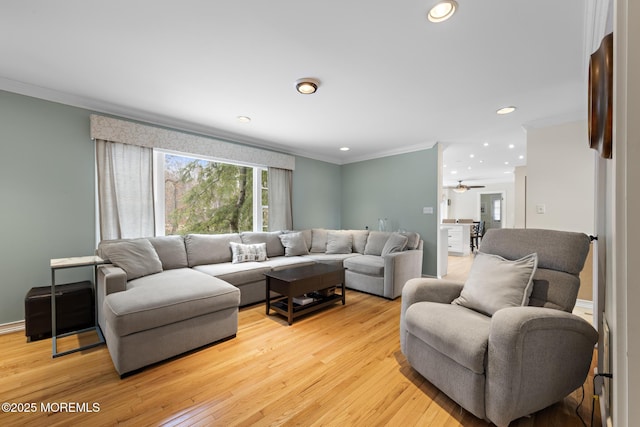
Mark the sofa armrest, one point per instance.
(426, 289)
(111, 279)
(399, 267)
(536, 356)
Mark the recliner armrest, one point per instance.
(536, 356)
(426, 289)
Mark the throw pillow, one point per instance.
(339, 242)
(375, 242)
(395, 243)
(294, 244)
(413, 239)
(243, 253)
(136, 257)
(495, 283)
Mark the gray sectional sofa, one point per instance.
(162, 296)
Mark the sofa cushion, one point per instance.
(294, 244)
(455, 331)
(236, 274)
(244, 253)
(171, 251)
(329, 258)
(168, 297)
(339, 242)
(366, 264)
(318, 240)
(359, 240)
(136, 257)
(209, 248)
(271, 239)
(375, 242)
(308, 237)
(281, 262)
(495, 283)
(395, 243)
(413, 240)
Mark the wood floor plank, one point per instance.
(340, 366)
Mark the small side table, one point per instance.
(74, 262)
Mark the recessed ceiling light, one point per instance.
(468, 167)
(472, 155)
(307, 86)
(506, 110)
(442, 11)
(506, 163)
(344, 148)
(511, 146)
(486, 144)
(481, 161)
(521, 157)
(243, 119)
(454, 172)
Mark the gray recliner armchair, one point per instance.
(518, 360)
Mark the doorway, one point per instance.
(492, 210)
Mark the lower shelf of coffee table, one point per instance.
(280, 305)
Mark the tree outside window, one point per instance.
(203, 196)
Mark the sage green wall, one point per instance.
(46, 194)
(316, 194)
(396, 188)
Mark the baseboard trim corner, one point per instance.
(7, 328)
(583, 303)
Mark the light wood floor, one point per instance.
(338, 367)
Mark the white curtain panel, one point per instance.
(280, 209)
(125, 190)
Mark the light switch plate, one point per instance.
(427, 210)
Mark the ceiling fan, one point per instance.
(461, 188)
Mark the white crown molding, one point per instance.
(392, 152)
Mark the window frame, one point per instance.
(159, 186)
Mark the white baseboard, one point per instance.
(7, 328)
(585, 304)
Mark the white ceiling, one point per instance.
(390, 81)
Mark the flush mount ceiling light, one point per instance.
(506, 110)
(243, 119)
(344, 148)
(307, 86)
(442, 11)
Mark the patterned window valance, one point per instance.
(115, 130)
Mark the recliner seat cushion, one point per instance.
(457, 332)
(168, 297)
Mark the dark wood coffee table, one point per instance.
(297, 281)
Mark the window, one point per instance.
(497, 210)
(199, 195)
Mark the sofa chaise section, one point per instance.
(155, 319)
